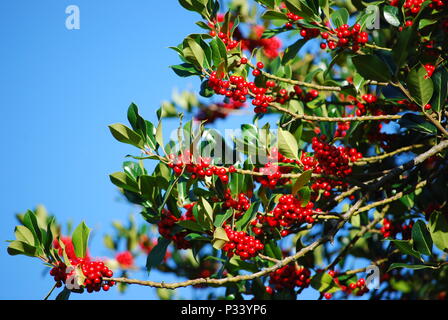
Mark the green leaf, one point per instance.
(19, 247)
(30, 221)
(222, 217)
(391, 14)
(157, 254)
(269, 33)
(405, 247)
(438, 227)
(301, 181)
(420, 88)
(149, 187)
(301, 8)
(440, 80)
(159, 134)
(426, 22)
(371, 67)
(324, 283)
(193, 52)
(247, 217)
(287, 144)
(63, 295)
(405, 46)
(194, 5)
(418, 123)
(24, 234)
(190, 225)
(274, 15)
(272, 250)
(409, 266)
(219, 238)
(339, 17)
(292, 50)
(206, 212)
(48, 244)
(137, 122)
(422, 238)
(219, 52)
(126, 135)
(80, 238)
(122, 180)
(267, 3)
(185, 70)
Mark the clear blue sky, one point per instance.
(59, 90)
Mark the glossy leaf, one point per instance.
(420, 87)
(80, 238)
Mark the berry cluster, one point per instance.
(288, 212)
(272, 172)
(241, 244)
(430, 68)
(216, 30)
(305, 96)
(369, 102)
(236, 88)
(198, 168)
(346, 37)
(94, 271)
(332, 161)
(342, 128)
(218, 111)
(413, 7)
(292, 19)
(240, 205)
(357, 288)
(289, 277)
(391, 229)
(309, 33)
(166, 229)
(308, 162)
(369, 98)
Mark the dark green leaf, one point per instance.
(418, 123)
(63, 295)
(421, 238)
(371, 67)
(420, 87)
(405, 247)
(157, 254)
(292, 50)
(409, 266)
